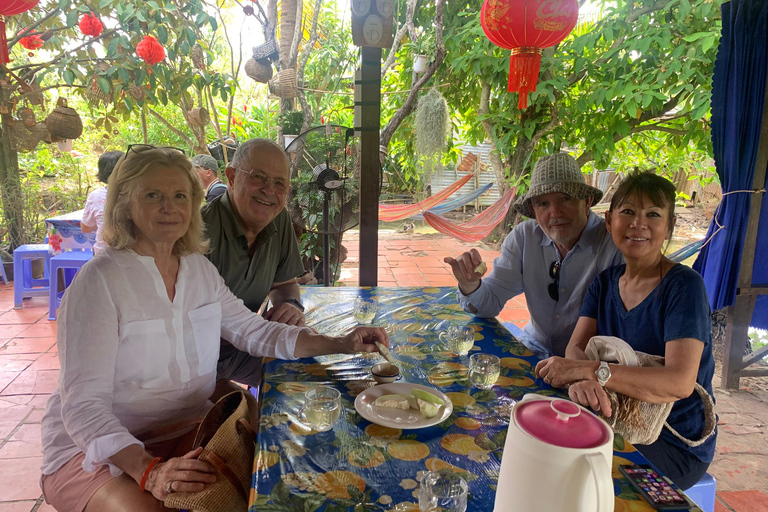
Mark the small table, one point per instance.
(361, 466)
(64, 233)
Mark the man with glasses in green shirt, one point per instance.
(253, 245)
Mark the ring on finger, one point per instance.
(169, 487)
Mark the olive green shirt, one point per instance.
(275, 260)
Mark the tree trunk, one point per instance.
(10, 187)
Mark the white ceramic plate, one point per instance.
(398, 418)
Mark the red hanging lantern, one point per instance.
(150, 50)
(90, 25)
(525, 27)
(11, 8)
(32, 42)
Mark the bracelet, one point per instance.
(150, 466)
(296, 303)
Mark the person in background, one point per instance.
(207, 169)
(658, 307)
(93, 214)
(552, 260)
(138, 343)
(253, 245)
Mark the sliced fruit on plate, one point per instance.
(427, 396)
(395, 401)
(428, 409)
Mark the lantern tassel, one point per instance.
(4, 57)
(524, 67)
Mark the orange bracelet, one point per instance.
(146, 472)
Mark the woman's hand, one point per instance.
(363, 339)
(590, 394)
(180, 474)
(557, 371)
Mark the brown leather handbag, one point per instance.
(228, 442)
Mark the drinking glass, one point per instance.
(322, 407)
(442, 491)
(483, 370)
(365, 310)
(460, 339)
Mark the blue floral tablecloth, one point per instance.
(365, 467)
(64, 233)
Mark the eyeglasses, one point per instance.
(139, 148)
(259, 179)
(553, 288)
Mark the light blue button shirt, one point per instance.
(523, 267)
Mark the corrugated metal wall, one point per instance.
(442, 178)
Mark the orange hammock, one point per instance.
(393, 212)
(477, 228)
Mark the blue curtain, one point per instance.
(738, 94)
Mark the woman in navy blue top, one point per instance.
(658, 307)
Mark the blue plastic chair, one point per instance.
(24, 285)
(703, 493)
(66, 260)
(2, 273)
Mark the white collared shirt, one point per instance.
(523, 267)
(132, 360)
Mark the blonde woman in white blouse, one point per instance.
(138, 341)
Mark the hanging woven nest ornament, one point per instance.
(25, 139)
(64, 122)
(95, 95)
(283, 85)
(137, 93)
(198, 57)
(199, 117)
(268, 50)
(259, 70)
(40, 131)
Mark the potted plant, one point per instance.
(423, 49)
(291, 123)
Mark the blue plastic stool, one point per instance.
(66, 260)
(23, 283)
(2, 273)
(703, 493)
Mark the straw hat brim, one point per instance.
(575, 190)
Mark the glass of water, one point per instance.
(442, 491)
(322, 407)
(460, 339)
(364, 310)
(483, 370)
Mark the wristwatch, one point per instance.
(603, 373)
(298, 304)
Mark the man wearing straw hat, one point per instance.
(551, 259)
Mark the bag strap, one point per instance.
(230, 475)
(710, 420)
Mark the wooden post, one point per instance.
(367, 126)
(740, 314)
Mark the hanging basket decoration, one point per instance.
(259, 70)
(95, 95)
(64, 122)
(150, 50)
(90, 25)
(11, 8)
(137, 93)
(283, 85)
(40, 131)
(525, 27)
(32, 42)
(198, 56)
(199, 117)
(268, 50)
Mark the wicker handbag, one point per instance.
(228, 440)
(64, 122)
(637, 421)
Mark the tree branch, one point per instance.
(38, 66)
(297, 33)
(303, 60)
(27, 30)
(658, 128)
(408, 25)
(172, 128)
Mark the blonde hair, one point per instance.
(119, 231)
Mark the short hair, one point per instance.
(658, 189)
(242, 155)
(107, 163)
(119, 230)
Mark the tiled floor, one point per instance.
(29, 371)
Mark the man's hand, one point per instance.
(590, 394)
(285, 313)
(464, 270)
(363, 339)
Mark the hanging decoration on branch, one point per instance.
(90, 25)
(525, 27)
(150, 50)
(11, 8)
(32, 42)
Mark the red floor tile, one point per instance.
(21, 506)
(745, 501)
(719, 507)
(32, 381)
(28, 346)
(20, 481)
(43, 330)
(12, 330)
(23, 316)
